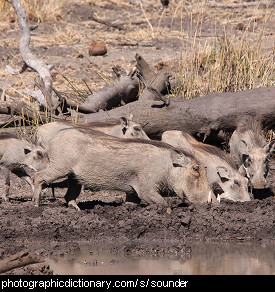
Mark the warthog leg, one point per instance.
(152, 197)
(73, 192)
(20, 172)
(47, 175)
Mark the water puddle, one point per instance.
(205, 259)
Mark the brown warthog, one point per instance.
(222, 174)
(143, 167)
(15, 155)
(122, 128)
(250, 152)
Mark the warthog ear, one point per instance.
(125, 124)
(178, 158)
(269, 148)
(224, 173)
(246, 160)
(244, 147)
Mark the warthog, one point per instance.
(250, 152)
(143, 167)
(122, 128)
(15, 155)
(221, 172)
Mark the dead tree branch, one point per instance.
(156, 84)
(121, 92)
(19, 260)
(29, 59)
(106, 22)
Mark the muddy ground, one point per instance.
(137, 230)
(55, 229)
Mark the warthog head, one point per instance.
(234, 186)
(222, 175)
(189, 179)
(35, 157)
(255, 164)
(131, 129)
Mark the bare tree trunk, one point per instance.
(203, 116)
(29, 59)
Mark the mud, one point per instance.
(138, 230)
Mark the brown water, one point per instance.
(205, 259)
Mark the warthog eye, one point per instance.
(247, 162)
(236, 182)
(224, 179)
(196, 168)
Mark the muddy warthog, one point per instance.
(122, 128)
(222, 174)
(15, 155)
(144, 167)
(250, 152)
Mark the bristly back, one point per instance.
(7, 135)
(157, 144)
(108, 123)
(208, 149)
(88, 131)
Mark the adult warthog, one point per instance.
(122, 128)
(250, 151)
(143, 167)
(17, 154)
(221, 172)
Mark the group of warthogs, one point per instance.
(119, 156)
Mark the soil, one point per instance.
(54, 228)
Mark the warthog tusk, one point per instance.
(219, 198)
(209, 197)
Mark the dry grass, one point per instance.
(41, 10)
(228, 64)
(227, 61)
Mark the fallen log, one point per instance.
(203, 116)
(19, 260)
